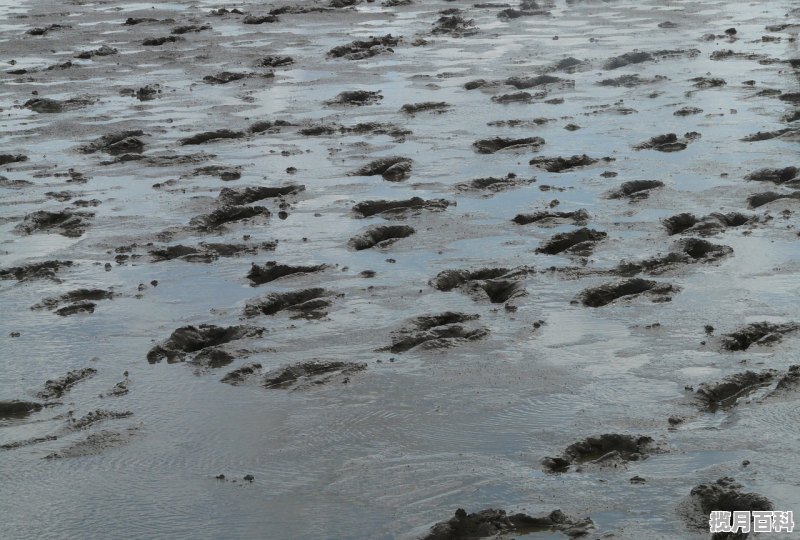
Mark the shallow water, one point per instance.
(421, 433)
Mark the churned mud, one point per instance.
(490, 523)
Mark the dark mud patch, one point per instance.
(276, 61)
(74, 297)
(724, 495)
(452, 23)
(505, 144)
(194, 339)
(247, 195)
(208, 252)
(52, 106)
(94, 417)
(356, 98)
(227, 77)
(629, 81)
(18, 409)
(610, 449)
(312, 373)
(668, 142)
(242, 374)
(220, 171)
(40, 270)
(628, 59)
(758, 200)
(208, 136)
(76, 309)
(121, 142)
(578, 242)
(724, 394)
(576, 217)
(301, 304)
(498, 285)
(426, 106)
(687, 111)
(5, 159)
(635, 189)
(689, 251)
(758, 334)
(493, 184)
(492, 523)
(707, 225)
(440, 331)
(228, 214)
(95, 444)
(361, 49)
(787, 134)
(163, 40)
(562, 164)
(104, 50)
(782, 175)
(392, 168)
(55, 388)
(260, 274)
(381, 236)
(626, 289)
(399, 208)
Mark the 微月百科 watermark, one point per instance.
(747, 521)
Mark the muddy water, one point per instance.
(422, 432)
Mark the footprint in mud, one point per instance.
(55, 388)
(506, 144)
(361, 49)
(724, 495)
(96, 443)
(635, 189)
(78, 301)
(689, 251)
(381, 236)
(707, 225)
(437, 332)
(578, 242)
(758, 334)
(551, 219)
(493, 184)
(608, 450)
(498, 285)
(668, 142)
(40, 270)
(247, 195)
(228, 214)
(393, 168)
(301, 304)
(260, 274)
(121, 142)
(492, 523)
(208, 252)
(190, 341)
(724, 394)
(399, 208)
(65, 222)
(566, 164)
(626, 289)
(357, 98)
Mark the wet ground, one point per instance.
(384, 364)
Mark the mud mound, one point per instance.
(193, 339)
(55, 388)
(95, 417)
(788, 383)
(399, 208)
(220, 171)
(627, 288)
(247, 195)
(51, 106)
(5, 159)
(207, 252)
(562, 164)
(629, 81)
(689, 251)
(426, 106)
(157, 42)
(635, 189)
(315, 372)
(437, 332)
(723, 495)
(610, 449)
(725, 393)
(78, 295)
(494, 184)
(707, 225)
(242, 375)
(498, 144)
(208, 136)
(381, 236)
(65, 222)
(18, 409)
(276, 61)
(96, 444)
(492, 523)
(669, 142)
(393, 168)
(356, 97)
(227, 214)
(579, 242)
(454, 24)
(759, 333)
(121, 142)
(40, 270)
(760, 199)
(260, 274)
(628, 59)
(304, 303)
(576, 217)
(498, 285)
(360, 49)
(776, 176)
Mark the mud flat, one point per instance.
(410, 269)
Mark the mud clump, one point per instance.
(157, 42)
(194, 339)
(381, 236)
(760, 199)
(628, 81)
(628, 59)
(561, 164)
(579, 242)
(121, 142)
(789, 382)
(356, 97)
(78, 295)
(427, 106)
(776, 176)
(689, 251)
(312, 373)
(104, 50)
(360, 49)
(247, 195)
(492, 523)
(608, 449)
(18, 409)
(95, 444)
(276, 61)
(52, 106)
(207, 252)
(301, 304)
(635, 189)
(399, 208)
(242, 375)
(437, 332)
(759, 333)
(628, 288)
(498, 285)
(207, 136)
(55, 388)
(669, 142)
(41, 270)
(5, 159)
(259, 19)
(454, 25)
(576, 217)
(498, 144)
(687, 111)
(723, 495)
(494, 184)
(65, 222)
(94, 417)
(220, 171)
(392, 168)
(725, 393)
(708, 225)
(260, 274)
(789, 134)
(228, 214)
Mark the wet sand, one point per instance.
(338, 270)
